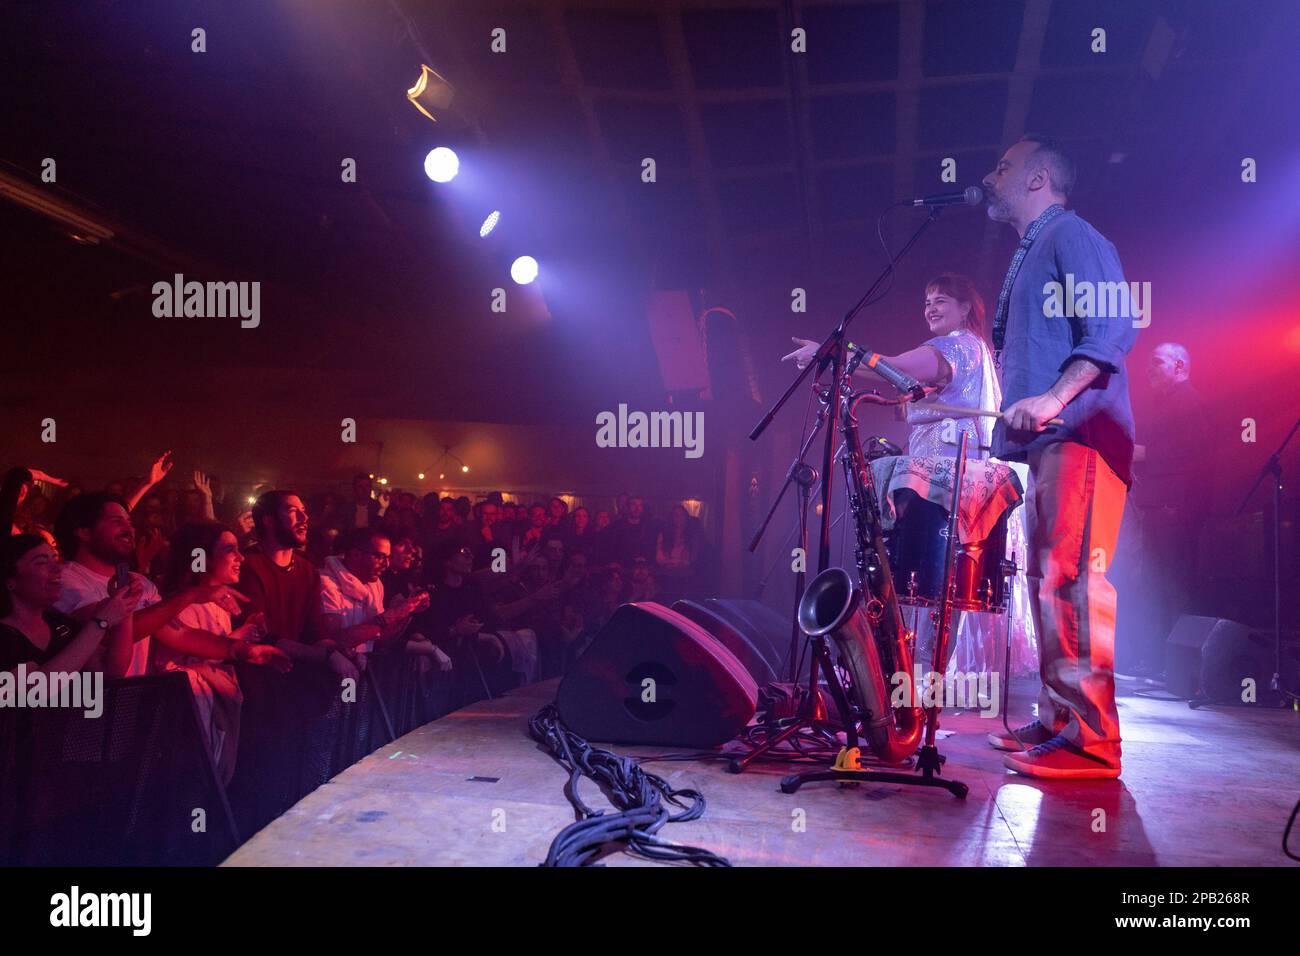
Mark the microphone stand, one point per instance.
(832, 354)
(1274, 467)
(805, 476)
(781, 558)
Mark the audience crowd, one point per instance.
(153, 575)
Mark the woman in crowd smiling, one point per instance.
(206, 554)
(34, 634)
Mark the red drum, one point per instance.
(917, 545)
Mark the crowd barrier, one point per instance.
(137, 786)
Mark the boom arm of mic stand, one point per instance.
(819, 362)
(832, 341)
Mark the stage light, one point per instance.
(442, 477)
(252, 500)
(441, 165)
(523, 270)
(465, 468)
(431, 93)
(489, 224)
(383, 481)
(420, 476)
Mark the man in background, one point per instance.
(1170, 495)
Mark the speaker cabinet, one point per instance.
(766, 629)
(753, 653)
(651, 676)
(1208, 658)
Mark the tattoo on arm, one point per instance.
(1077, 376)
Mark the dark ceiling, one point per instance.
(772, 167)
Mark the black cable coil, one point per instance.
(641, 799)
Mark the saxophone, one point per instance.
(864, 619)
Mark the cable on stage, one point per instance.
(641, 799)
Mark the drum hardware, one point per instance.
(1010, 569)
(928, 760)
(918, 546)
(879, 447)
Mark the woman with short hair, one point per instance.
(34, 634)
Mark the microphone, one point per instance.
(970, 196)
(892, 374)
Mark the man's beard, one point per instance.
(997, 210)
(999, 206)
(284, 537)
(110, 554)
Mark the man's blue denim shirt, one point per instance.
(1041, 342)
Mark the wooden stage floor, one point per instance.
(1200, 787)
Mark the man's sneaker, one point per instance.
(1033, 734)
(1058, 759)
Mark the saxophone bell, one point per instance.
(833, 606)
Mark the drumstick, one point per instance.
(984, 412)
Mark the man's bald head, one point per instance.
(1032, 174)
(1170, 364)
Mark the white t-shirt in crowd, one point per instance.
(346, 596)
(210, 617)
(82, 586)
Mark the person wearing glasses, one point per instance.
(202, 641)
(352, 600)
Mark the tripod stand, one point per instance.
(812, 713)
